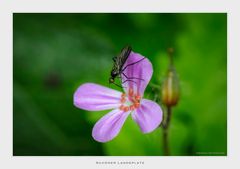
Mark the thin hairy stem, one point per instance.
(166, 131)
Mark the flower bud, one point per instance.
(170, 87)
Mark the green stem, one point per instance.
(165, 132)
(170, 54)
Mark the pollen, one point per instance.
(129, 101)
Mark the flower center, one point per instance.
(129, 101)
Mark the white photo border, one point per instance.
(8, 7)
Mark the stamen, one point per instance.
(132, 107)
(121, 107)
(130, 92)
(123, 95)
(123, 100)
(137, 98)
(126, 109)
(136, 105)
(129, 101)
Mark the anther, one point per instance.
(130, 92)
(125, 109)
(132, 107)
(123, 95)
(123, 99)
(122, 107)
(136, 105)
(137, 98)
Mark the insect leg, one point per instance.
(132, 64)
(118, 85)
(131, 77)
(128, 80)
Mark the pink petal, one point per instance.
(148, 116)
(109, 125)
(93, 97)
(142, 70)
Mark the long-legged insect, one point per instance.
(118, 68)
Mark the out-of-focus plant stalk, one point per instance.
(170, 97)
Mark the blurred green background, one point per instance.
(55, 53)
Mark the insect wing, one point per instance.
(121, 59)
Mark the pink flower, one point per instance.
(146, 113)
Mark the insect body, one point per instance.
(118, 68)
(119, 62)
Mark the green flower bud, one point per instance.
(170, 87)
